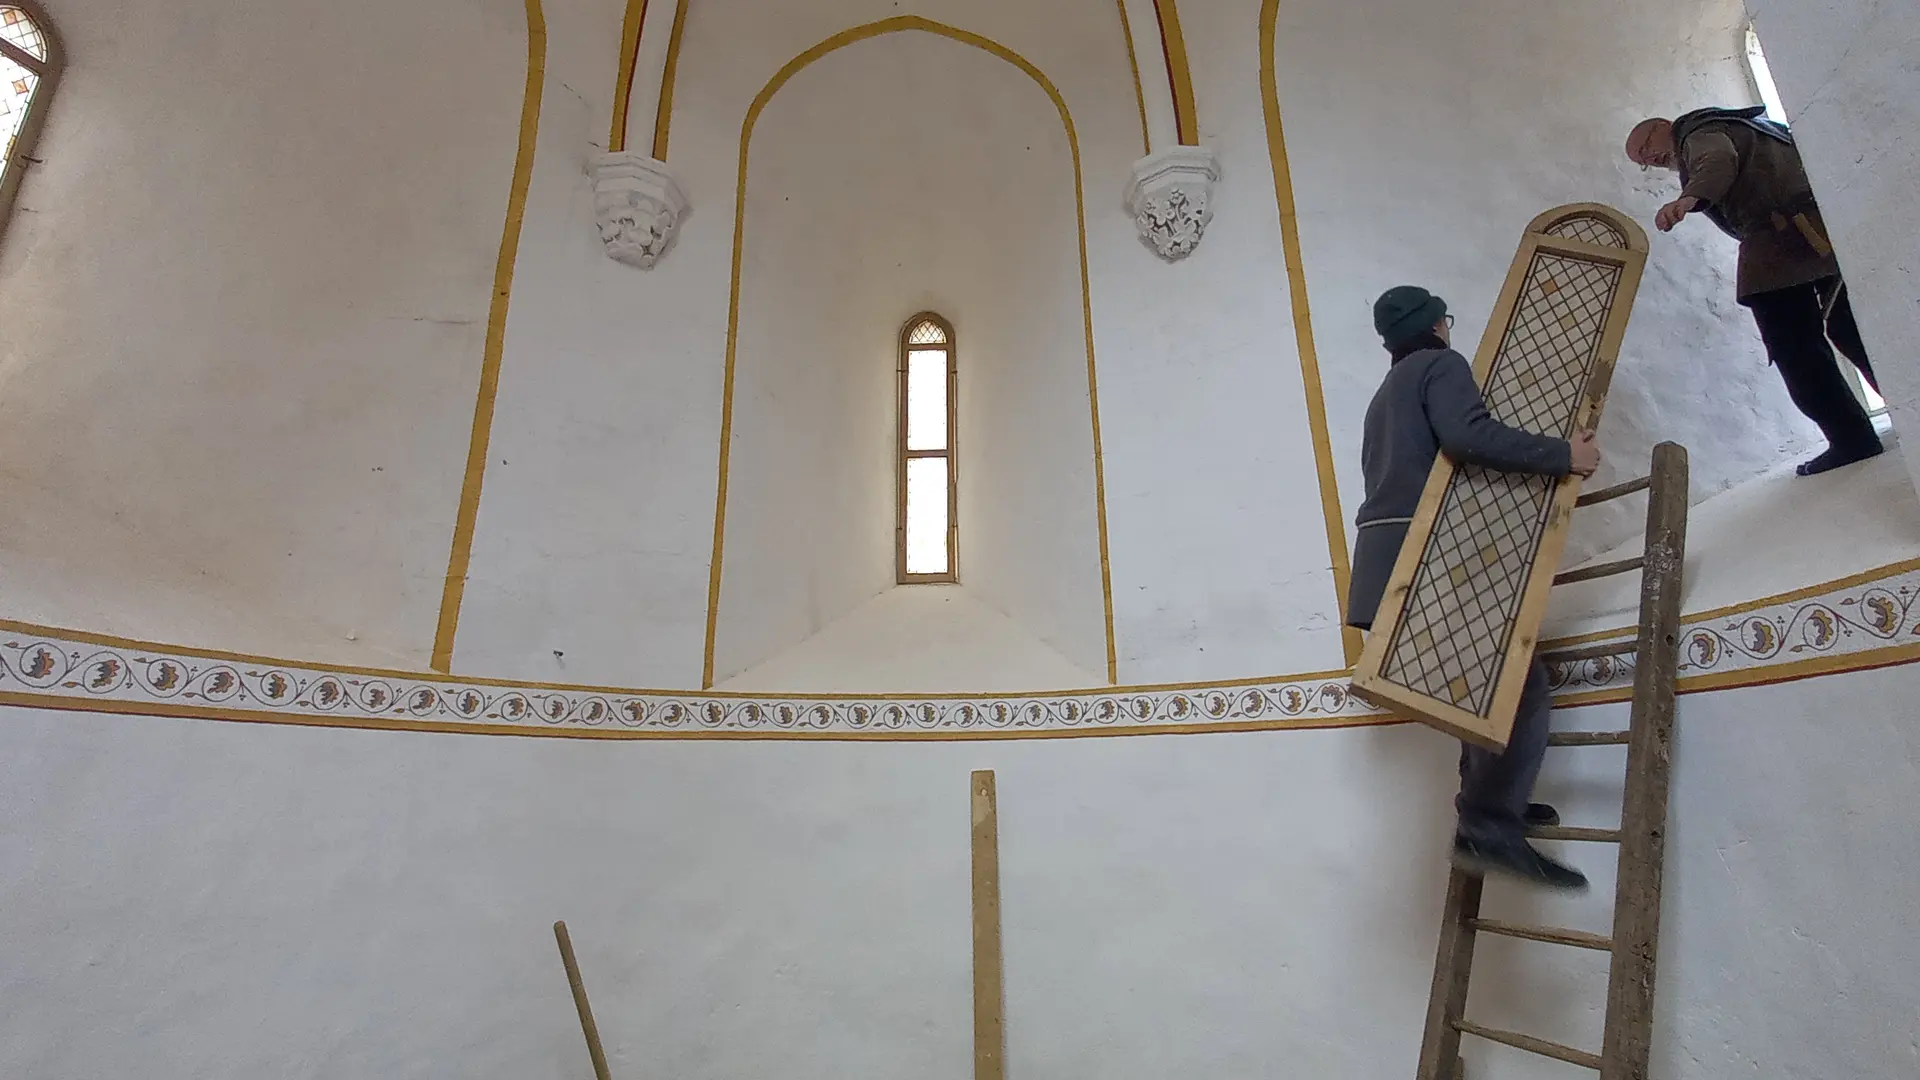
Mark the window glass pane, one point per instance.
(19, 31)
(16, 90)
(927, 515)
(927, 399)
(927, 333)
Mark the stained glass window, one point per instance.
(25, 66)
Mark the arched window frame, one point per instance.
(950, 451)
(46, 74)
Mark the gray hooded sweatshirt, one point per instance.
(1427, 404)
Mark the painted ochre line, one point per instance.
(1139, 91)
(455, 588)
(1186, 121)
(1303, 327)
(623, 84)
(788, 71)
(1093, 379)
(663, 116)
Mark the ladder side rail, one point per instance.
(1636, 922)
(1452, 968)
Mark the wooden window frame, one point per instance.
(48, 73)
(951, 453)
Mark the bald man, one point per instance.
(1743, 173)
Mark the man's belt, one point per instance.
(1808, 229)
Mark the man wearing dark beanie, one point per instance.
(1429, 404)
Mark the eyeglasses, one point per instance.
(1449, 319)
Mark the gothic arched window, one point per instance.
(29, 62)
(928, 504)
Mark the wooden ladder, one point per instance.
(1643, 820)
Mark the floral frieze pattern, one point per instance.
(49, 665)
(44, 666)
(1861, 618)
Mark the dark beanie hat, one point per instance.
(1405, 312)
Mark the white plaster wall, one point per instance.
(1218, 544)
(242, 304)
(920, 639)
(252, 384)
(1029, 510)
(906, 173)
(595, 540)
(61, 565)
(596, 520)
(1794, 521)
(1419, 156)
(1847, 76)
(810, 496)
(620, 587)
(207, 900)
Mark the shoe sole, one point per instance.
(1482, 867)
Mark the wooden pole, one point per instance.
(989, 1024)
(580, 1002)
(1643, 823)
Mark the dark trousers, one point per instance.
(1796, 325)
(1495, 788)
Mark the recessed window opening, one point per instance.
(928, 503)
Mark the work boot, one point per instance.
(1834, 457)
(1515, 858)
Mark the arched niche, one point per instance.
(898, 167)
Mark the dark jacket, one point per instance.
(1747, 174)
(1427, 404)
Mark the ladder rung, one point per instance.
(1590, 652)
(1552, 935)
(1563, 832)
(1606, 569)
(1614, 492)
(1588, 738)
(1531, 1045)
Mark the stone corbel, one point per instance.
(638, 205)
(1168, 198)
